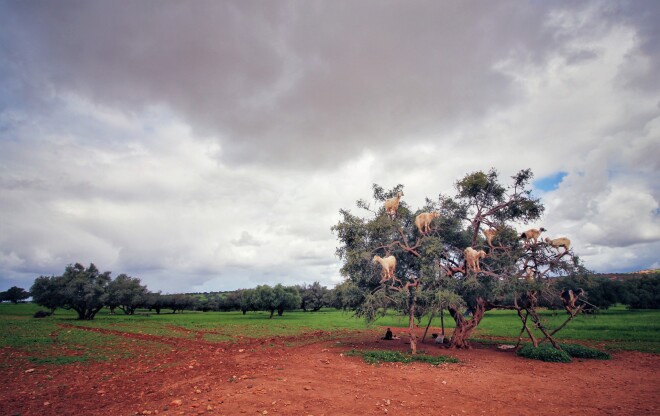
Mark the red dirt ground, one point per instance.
(311, 375)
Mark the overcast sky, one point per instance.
(209, 145)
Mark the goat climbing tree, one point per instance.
(430, 263)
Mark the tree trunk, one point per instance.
(411, 320)
(427, 326)
(272, 312)
(464, 327)
(442, 321)
(280, 311)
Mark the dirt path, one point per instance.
(311, 375)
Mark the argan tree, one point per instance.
(430, 266)
(126, 293)
(14, 294)
(79, 288)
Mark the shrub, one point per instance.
(580, 351)
(381, 356)
(41, 314)
(544, 352)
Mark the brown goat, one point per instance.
(392, 204)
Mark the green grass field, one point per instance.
(53, 340)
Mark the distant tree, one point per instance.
(643, 293)
(46, 292)
(248, 300)
(266, 299)
(230, 301)
(14, 294)
(154, 301)
(602, 292)
(179, 302)
(286, 298)
(79, 288)
(208, 302)
(312, 296)
(126, 293)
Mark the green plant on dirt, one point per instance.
(580, 351)
(387, 356)
(544, 352)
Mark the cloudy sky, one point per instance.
(209, 145)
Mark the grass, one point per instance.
(387, 356)
(62, 339)
(616, 328)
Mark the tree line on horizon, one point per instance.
(87, 291)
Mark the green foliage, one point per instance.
(313, 297)
(126, 293)
(544, 352)
(14, 294)
(79, 288)
(580, 351)
(387, 356)
(434, 261)
(643, 293)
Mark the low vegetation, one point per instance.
(546, 352)
(387, 356)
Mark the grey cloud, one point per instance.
(298, 83)
(246, 239)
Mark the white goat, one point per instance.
(559, 242)
(389, 265)
(490, 234)
(423, 221)
(392, 204)
(472, 257)
(532, 234)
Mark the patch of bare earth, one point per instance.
(311, 375)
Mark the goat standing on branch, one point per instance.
(532, 234)
(559, 242)
(392, 205)
(423, 221)
(388, 265)
(490, 234)
(472, 257)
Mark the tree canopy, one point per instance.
(14, 294)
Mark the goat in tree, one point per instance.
(490, 234)
(392, 204)
(388, 265)
(559, 242)
(472, 257)
(532, 234)
(423, 221)
(569, 297)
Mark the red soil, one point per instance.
(311, 375)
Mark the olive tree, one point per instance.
(430, 265)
